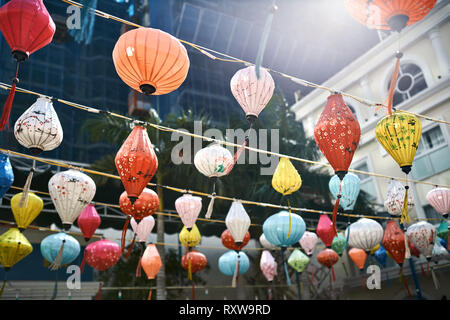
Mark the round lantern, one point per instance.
(26, 214)
(394, 242)
(308, 242)
(13, 248)
(88, 221)
(298, 260)
(276, 229)
(265, 243)
(394, 198)
(268, 265)
(423, 235)
(228, 241)
(150, 61)
(237, 222)
(143, 228)
(325, 230)
(339, 243)
(102, 255)
(439, 198)
(38, 128)
(358, 257)
(188, 208)
(190, 238)
(233, 263)
(193, 261)
(27, 27)
(59, 249)
(136, 162)
(71, 191)
(328, 258)
(145, 205)
(6, 174)
(364, 234)
(252, 93)
(350, 188)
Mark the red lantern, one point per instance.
(325, 230)
(394, 242)
(101, 255)
(88, 221)
(136, 162)
(27, 27)
(146, 204)
(228, 240)
(328, 258)
(193, 261)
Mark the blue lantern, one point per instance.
(60, 249)
(381, 256)
(6, 174)
(350, 189)
(444, 244)
(231, 261)
(276, 229)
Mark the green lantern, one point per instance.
(338, 244)
(298, 260)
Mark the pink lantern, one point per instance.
(325, 230)
(439, 198)
(88, 221)
(308, 242)
(101, 255)
(188, 208)
(143, 228)
(268, 265)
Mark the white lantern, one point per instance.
(364, 234)
(238, 222)
(143, 228)
(38, 128)
(71, 191)
(394, 199)
(423, 236)
(266, 244)
(308, 242)
(188, 208)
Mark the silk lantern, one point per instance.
(101, 255)
(151, 263)
(381, 256)
(439, 252)
(59, 249)
(395, 197)
(337, 134)
(276, 227)
(143, 228)
(228, 241)
(26, 214)
(423, 235)
(38, 128)
(150, 61)
(188, 208)
(71, 191)
(442, 230)
(394, 242)
(214, 161)
(6, 174)
(268, 265)
(193, 262)
(145, 205)
(265, 243)
(233, 263)
(325, 230)
(358, 257)
(350, 188)
(298, 260)
(237, 221)
(439, 198)
(27, 27)
(328, 258)
(339, 243)
(308, 242)
(88, 221)
(136, 162)
(190, 238)
(364, 234)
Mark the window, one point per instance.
(367, 182)
(410, 82)
(352, 110)
(433, 154)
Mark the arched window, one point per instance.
(410, 82)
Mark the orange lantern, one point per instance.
(150, 61)
(358, 257)
(228, 241)
(151, 263)
(146, 204)
(328, 257)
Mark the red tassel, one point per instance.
(149, 295)
(130, 248)
(405, 283)
(332, 272)
(392, 85)
(335, 209)
(8, 104)
(99, 292)
(138, 269)
(83, 262)
(124, 233)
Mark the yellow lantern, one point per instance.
(399, 135)
(26, 214)
(190, 238)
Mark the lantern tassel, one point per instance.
(236, 272)
(435, 279)
(390, 99)
(269, 294)
(26, 188)
(138, 269)
(345, 269)
(149, 294)
(130, 248)
(332, 272)
(290, 223)
(83, 262)
(335, 209)
(57, 262)
(405, 216)
(402, 278)
(124, 233)
(4, 284)
(8, 104)
(99, 292)
(189, 268)
(55, 288)
(407, 251)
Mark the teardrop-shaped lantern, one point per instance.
(228, 261)
(286, 179)
(228, 241)
(395, 197)
(150, 61)
(364, 234)
(252, 93)
(136, 162)
(27, 27)
(381, 256)
(268, 265)
(423, 235)
(308, 242)
(350, 188)
(143, 228)
(6, 174)
(145, 205)
(265, 243)
(276, 228)
(237, 221)
(102, 255)
(439, 198)
(60, 249)
(394, 242)
(358, 257)
(325, 230)
(188, 208)
(38, 128)
(26, 214)
(339, 243)
(151, 261)
(190, 238)
(88, 221)
(71, 191)
(13, 248)
(298, 260)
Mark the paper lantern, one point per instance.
(439, 198)
(102, 255)
(252, 93)
(228, 241)
(350, 188)
(265, 243)
(286, 179)
(193, 261)
(71, 191)
(328, 258)
(143, 228)
(268, 265)
(276, 228)
(145, 205)
(381, 256)
(136, 162)
(442, 230)
(150, 61)
(387, 14)
(440, 253)
(394, 242)
(26, 214)
(358, 257)
(60, 249)
(339, 243)
(190, 238)
(423, 235)
(13, 248)
(394, 198)
(308, 242)
(364, 234)
(151, 261)
(237, 221)
(325, 230)
(298, 260)
(227, 262)
(6, 174)
(88, 221)
(27, 27)
(38, 128)
(188, 208)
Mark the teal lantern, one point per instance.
(59, 249)
(442, 230)
(339, 243)
(276, 229)
(233, 263)
(6, 174)
(350, 188)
